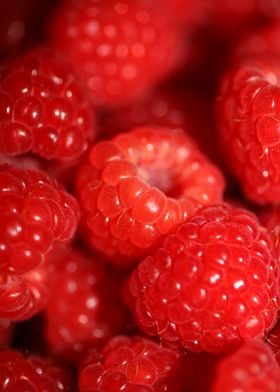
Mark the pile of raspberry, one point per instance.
(139, 195)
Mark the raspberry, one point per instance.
(6, 329)
(140, 186)
(251, 368)
(212, 284)
(131, 364)
(121, 49)
(36, 215)
(31, 373)
(85, 307)
(248, 123)
(23, 296)
(43, 108)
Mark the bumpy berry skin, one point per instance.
(251, 368)
(44, 108)
(131, 364)
(31, 373)
(23, 296)
(120, 48)
(6, 329)
(211, 285)
(85, 307)
(36, 215)
(248, 119)
(140, 186)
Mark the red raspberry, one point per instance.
(131, 364)
(36, 215)
(43, 108)
(251, 368)
(31, 373)
(248, 123)
(140, 186)
(172, 108)
(23, 296)
(211, 285)
(6, 329)
(120, 48)
(85, 306)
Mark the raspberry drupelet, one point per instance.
(44, 108)
(211, 285)
(32, 373)
(131, 364)
(22, 296)
(248, 117)
(85, 306)
(37, 214)
(121, 49)
(252, 367)
(139, 186)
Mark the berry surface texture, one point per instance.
(139, 196)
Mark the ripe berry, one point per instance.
(248, 118)
(43, 108)
(251, 368)
(31, 373)
(23, 296)
(131, 364)
(121, 49)
(211, 285)
(85, 307)
(36, 215)
(140, 186)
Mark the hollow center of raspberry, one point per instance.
(162, 178)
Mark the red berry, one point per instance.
(85, 307)
(23, 296)
(140, 186)
(31, 373)
(251, 368)
(131, 365)
(211, 285)
(6, 329)
(248, 123)
(36, 215)
(43, 108)
(121, 49)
